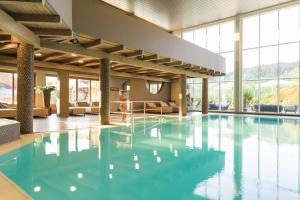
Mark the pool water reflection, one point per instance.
(214, 157)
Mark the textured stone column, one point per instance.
(25, 87)
(40, 80)
(182, 96)
(204, 96)
(105, 91)
(63, 110)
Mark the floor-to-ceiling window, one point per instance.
(53, 81)
(218, 38)
(194, 93)
(8, 87)
(270, 61)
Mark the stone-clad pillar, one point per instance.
(105, 91)
(204, 96)
(63, 108)
(182, 96)
(25, 87)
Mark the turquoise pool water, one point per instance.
(214, 157)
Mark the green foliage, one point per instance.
(248, 97)
(41, 89)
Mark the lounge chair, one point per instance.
(175, 108)
(268, 108)
(292, 109)
(153, 108)
(75, 110)
(10, 111)
(90, 108)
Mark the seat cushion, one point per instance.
(150, 105)
(163, 104)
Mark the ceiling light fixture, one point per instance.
(38, 54)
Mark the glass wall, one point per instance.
(72, 90)
(6, 87)
(53, 81)
(84, 90)
(218, 38)
(95, 91)
(194, 93)
(270, 65)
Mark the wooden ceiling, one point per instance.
(48, 26)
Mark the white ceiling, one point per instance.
(178, 14)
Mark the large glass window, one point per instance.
(271, 61)
(95, 91)
(72, 90)
(194, 93)
(6, 87)
(53, 81)
(83, 90)
(218, 38)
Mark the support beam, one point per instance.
(204, 96)
(92, 44)
(51, 32)
(6, 46)
(25, 87)
(117, 58)
(52, 56)
(151, 57)
(182, 97)
(162, 61)
(105, 91)
(174, 63)
(115, 49)
(133, 54)
(238, 97)
(34, 18)
(18, 30)
(63, 108)
(5, 38)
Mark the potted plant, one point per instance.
(46, 90)
(247, 99)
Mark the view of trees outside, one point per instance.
(83, 90)
(72, 90)
(218, 38)
(6, 87)
(271, 61)
(53, 81)
(194, 90)
(95, 91)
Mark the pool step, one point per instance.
(9, 190)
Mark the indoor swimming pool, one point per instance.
(200, 157)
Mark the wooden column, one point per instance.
(105, 91)
(63, 108)
(204, 96)
(182, 96)
(25, 87)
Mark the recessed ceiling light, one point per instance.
(80, 61)
(73, 55)
(38, 54)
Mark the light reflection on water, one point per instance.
(214, 157)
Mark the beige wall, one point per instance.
(139, 92)
(175, 91)
(40, 80)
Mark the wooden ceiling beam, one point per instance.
(174, 63)
(68, 48)
(5, 38)
(133, 54)
(162, 61)
(51, 32)
(92, 44)
(34, 18)
(90, 63)
(114, 49)
(6, 46)
(147, 58)
(19, 31)
(184, 66)
(20, 2)
(52, 56)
